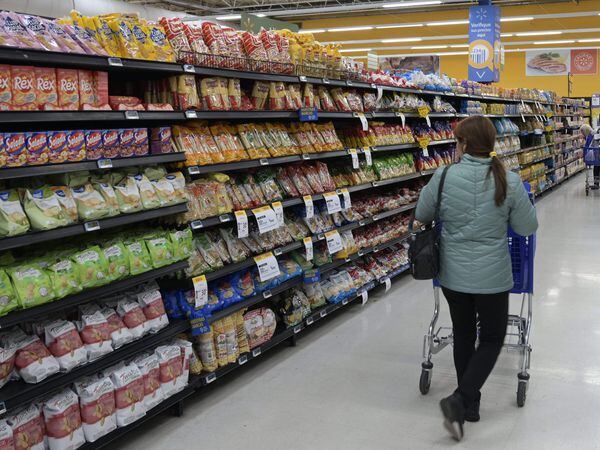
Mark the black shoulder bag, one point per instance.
(424, 249)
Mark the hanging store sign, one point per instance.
(484, 44)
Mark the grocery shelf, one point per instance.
(24, 315)
(385, 148)
(537, 160)
(17, 393)
(37, 237)
(97, 118)
(553, 185)
(116, 163)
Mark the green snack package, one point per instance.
(13, 220)
(93, 269)
(72, 178)
(159, 247)
(43, 209)
(155, 173)
(110, 198)
(128, 196)
(8, 298)
(90, 203)
(32, 285)
(177, 180)
(148, 195)
(139, 258)
(301, 261)
(67, 203)
(64, 275)
(117, 259)
(182, 243)
(165, 192)
(7, 259)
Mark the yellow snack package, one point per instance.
(107, 37)
(89, 25)
(158, 38)
(127, 42)
(143, 41)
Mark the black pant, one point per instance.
(596, 174)
(473, 366)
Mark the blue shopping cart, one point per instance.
(591, 158)
(522, 253)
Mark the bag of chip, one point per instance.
(95, 334)
(133, 317)
(129, 393)
(119, 333)
(117, 260)
(32, 285)
(6, 436)
(153, 309)
(64, 275)
(28, 429)
(33, 361)
(63, 421)
(139, 258)
(97, 404)
(13, 220)
(260, 326)
(171, 367)
(128, 195)
(150, 369)
(43, 209)
(67, 203)
(182, 243)
(90, 203)
(159, 248)
(64, 342)
(93, 268)
(148, 195)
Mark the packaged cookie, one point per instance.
(94, 147)
(37, 148)
(47, 94)
(57, 147)
(140, 142)
(67, 84)
(16, 149)
(23, 88)
(110, 144)
(76, 145)
(87, 95)
(5, 88)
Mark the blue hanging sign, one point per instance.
(308, 114)
(484, 44)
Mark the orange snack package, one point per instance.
(87, 92)
(5, 88)
(101, 88)
(23, 88)
(67, 83)
(47, 95)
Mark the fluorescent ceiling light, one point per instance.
(448, 22)
(260, 15)
(318, 30)
(411, 4)
(452, 53)
(230, 17)
(345, 50)
(407, 25)
(515, 18)
(589, 40)
(565, 41)
(538, 33)
(459, 46)
(506, 34)
(413, 39)
(360, 28)
(427, 47)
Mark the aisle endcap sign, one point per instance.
(484, 43)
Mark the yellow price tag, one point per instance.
(549, 128)
(549, 114)
(423, 111)
(424, 142)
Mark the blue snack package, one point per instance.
(288, 269)
(171, 302)
(243, 284)
(226, 293)
(261, 286)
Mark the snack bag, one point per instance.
(90, 203)
(32, 285)
(63, 421)
(95, 334)
(127, 41)
(177, 180)
(67, 43)
(145, 45)
(148, 195)
(97, 404)
(36, 27)
(160, 140)
(160, 250)
(16, 149)
(23, 88)
(181, 243)
(128, 195)
(47, 94)
(57, 147)
(33, 361)
(93, 268)
(67, 83)
(260, 326)
(139, 259)
(28, 428)
(153, 309)
(13, 220)
(8, 302)
(87, 94)
(133, 317)
(18, 33)
(171, 367)
(43, 209)
(76, 146)
(119, 333)
(260, 93)
(110, 198)
(150, 370)
(64, 275)
(129, 393)
(101, 88)
(5, 87)
(117, 259)
(162, 47)
(6, 436)
(37, 148)
(63, 341)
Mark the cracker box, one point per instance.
(101, 88)
(126, 142)
(16, 149)
(67, 84)
(45, 82)
(110, 143)
(76, 145)
(37, 148)
(2, 154)
(160, 140)
(87, 91)
(93, 144)
(5, 88)
(58, 150)
(140, 141)
(23, 89)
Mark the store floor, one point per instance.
(352, 383)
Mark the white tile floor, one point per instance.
(352, 383)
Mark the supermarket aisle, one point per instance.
(353, 382)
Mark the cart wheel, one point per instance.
(425, 381)
(587, 192)
(521, 393)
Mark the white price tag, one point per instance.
(363, 120)
(354, 156)
(308, 248)
(267, 266)
(191, 114)
(200, 291)
(428, 120)
(189, 68)
(242, 224)
(94, 225)
(332, 201)
(133, 114)
(334, 241)
(266, 219)
(365, 296)
(308, 206)
(346, 198)
(115, 62)
(425, 152)
(379, 94)
(368, 157)
(278, 208)
(104, 163)
(402, 118)
(388, 284)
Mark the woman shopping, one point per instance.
(480, 200)
(588, 133)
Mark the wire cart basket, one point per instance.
(522, 252)
(591, 158)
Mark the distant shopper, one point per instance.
(480, 200)
(588, 133)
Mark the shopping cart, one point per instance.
(522, 252)
(591, 158)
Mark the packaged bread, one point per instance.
(253, 46)
(252, 142)
(260, 93)
(234, 93)
(211, 95)
(277, 95)
(173, 28)
(308, 99)
(213, 38)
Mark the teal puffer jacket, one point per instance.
(474, 255)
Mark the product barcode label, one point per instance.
(266, 219)
(267, 266)
(334, 241)
(354, 155)
(368, 157)
(308, 248)
(332, 202)
(278, 208)
(200, 291)
(242, 224)
(346, 198)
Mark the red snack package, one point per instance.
(133, 317)
(93, 144)
(175, 34)
(47, 95)
(23, 89)
(67, 83)
(28, 428)
(37, 148)
(63, 341)
(97, 403)
(101, 88)
(110, 144)
(253, 46)
(75, 145)
(235, 47)
(129, 394)
(87, 92)
(213, 38)
(126, 142)
(57, 147)
(5, 88)
(270, 44)
(95, 334)
(171, 367)
(194, 37)
(140, 141)
(16, 149)
(121, 100)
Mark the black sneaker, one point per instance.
(472, 412)
(454, 415)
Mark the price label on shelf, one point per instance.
(308, 248)
(402, 118)
(363, 120)
(104, 163)
(308, 206)
(242, 224)
(354, 155)
(379, 94)
(200, 291)
(115, 62)
(368, 156)
(267, 266)
(334, 242)
(94, 225)
(365, 296)
(191, 114)
(388, 284)
(132, 115)
(423, 111)
(424, 142)
(332, 201)
(266, 219)
(189, 68)
(346, 198)
(278, 209)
